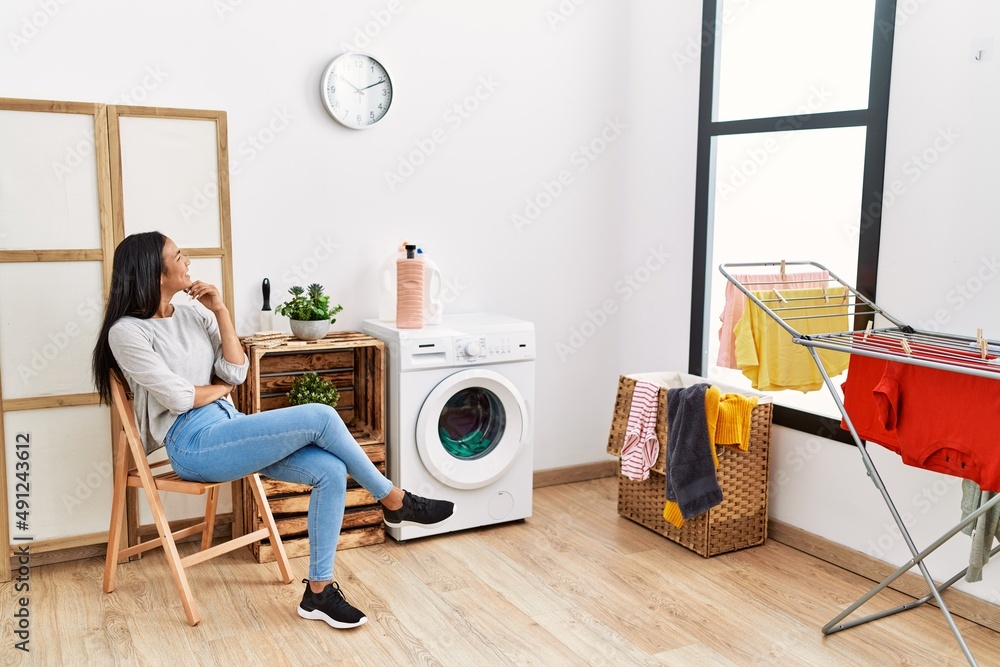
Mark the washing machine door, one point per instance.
(471, 428)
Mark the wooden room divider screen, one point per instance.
(75, 179)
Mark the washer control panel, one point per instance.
(492, 348)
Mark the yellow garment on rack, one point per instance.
(766, 353)
(733, 425)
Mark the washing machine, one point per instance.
(459, 401)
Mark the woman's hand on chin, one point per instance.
(208, 295)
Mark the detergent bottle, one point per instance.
(387, 285)
(410, 290)
(433, 286)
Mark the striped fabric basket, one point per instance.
(740, 521)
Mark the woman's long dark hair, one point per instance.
(135, 291)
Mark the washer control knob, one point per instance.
(472, 348)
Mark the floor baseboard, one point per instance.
(49, 552)
(960, 603)
(577, 473)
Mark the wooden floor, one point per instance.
(573, 585)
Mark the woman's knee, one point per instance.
(319, 414)
(329, 471)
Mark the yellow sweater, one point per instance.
(733, 427)
(727, 417)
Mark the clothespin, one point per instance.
(906, 348)
(780, 298)
(826, 295)
(843, 299)
(984, 347)
(868, 330)
(783, 269)
(979, 335)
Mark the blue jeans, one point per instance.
(304, 444)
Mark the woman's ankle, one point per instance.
(318, 586)
(394, 500)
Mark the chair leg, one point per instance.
(120, 473)
(264, 510)
(170, 551)
(211, 503)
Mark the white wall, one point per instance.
(311, 201)
(937, 266)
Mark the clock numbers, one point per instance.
(358, 88)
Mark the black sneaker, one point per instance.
(330, 606)
(417, 511)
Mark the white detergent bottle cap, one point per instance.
(433, 286)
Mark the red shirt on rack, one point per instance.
(939, 420)
(863, 374)
(946, 421)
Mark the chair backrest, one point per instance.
(122, 403)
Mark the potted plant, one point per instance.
(309, 311)
(311, 388)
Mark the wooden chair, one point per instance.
(141, 476)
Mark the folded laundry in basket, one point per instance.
(642, 447)
(691, 484)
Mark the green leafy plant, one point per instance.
(311, 388)
(311, 305)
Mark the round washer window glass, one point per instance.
(471, 423)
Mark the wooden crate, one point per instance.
(355, 363)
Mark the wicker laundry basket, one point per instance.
(740, 521)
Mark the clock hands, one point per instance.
(374, 84)
(361, 90)
(342, 78)
(360, 73)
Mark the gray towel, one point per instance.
(691, 478)
(982, 529)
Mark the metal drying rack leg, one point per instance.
(900, 343)
(948, 352)
(918, 556)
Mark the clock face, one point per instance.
(356, 90)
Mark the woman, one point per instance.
(181, 364)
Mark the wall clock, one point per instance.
(356, 90)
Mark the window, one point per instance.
(791, 159)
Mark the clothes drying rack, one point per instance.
(952, 353)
